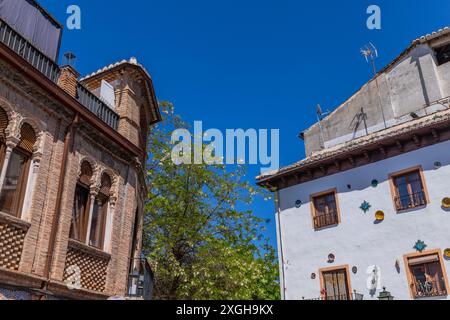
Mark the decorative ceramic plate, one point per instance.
(447, 253)
(379, 215)
(446, 203)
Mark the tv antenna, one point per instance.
(70, 58)
(370, 53)
(320, 116)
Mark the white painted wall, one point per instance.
(358, 241)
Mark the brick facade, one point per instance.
(26, 241)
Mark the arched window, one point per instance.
(100, 214)
(81, 205)
(15, 180)
(3, 125)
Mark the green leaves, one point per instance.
(202, 243)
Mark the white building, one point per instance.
(367, 208)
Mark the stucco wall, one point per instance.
(358, 240)
(409, 85)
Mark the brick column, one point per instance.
(68, 80)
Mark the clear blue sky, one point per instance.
(247, 63)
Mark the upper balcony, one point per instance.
(41, 62)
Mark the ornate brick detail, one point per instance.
(11, 245)
(92, 263)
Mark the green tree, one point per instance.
(200, 244)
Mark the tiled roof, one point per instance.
(132, 61)
(376, 137)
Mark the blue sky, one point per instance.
(247, 63)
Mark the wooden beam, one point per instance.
(416, 140)
(436, 135)
(352, 161)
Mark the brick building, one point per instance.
(72, 161)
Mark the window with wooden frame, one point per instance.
(426, 275)
(408, 189)
(325, 209)
(335, 283)
(3, 125)
(81, 206)
(15, 181)
(100, 213)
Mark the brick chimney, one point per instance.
(68, 80)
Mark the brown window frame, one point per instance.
(346, 269)
(397, 198)
(330, 220)
(414, 291)
(23, 179)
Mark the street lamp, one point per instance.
(140, 279)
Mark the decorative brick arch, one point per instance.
(12, 118)
(5, 105)
(94, 168)
(114, 184)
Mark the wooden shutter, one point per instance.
(27, 138)
(3, 124)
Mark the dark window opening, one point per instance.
(443, 54)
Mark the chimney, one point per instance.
(68, 80)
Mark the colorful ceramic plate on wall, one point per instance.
(446, 203)
(447, 253)
(379, 215)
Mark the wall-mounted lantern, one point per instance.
(140, 279)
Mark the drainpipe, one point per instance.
(280, 245)
(68, 146)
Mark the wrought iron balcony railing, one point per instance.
(21, 46)
(342, 297)
(97, 106)
(411, 201)
(429, 289)
(326, 220)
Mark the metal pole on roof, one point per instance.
(320, 116)
(371, 52)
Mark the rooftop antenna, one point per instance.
(370, 52)
(320, 116)
(69, 58)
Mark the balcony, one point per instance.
(410, 201)
(97, 107)
(326, 220)
(17, 43)
(355, 296)
(429, 289)
(50, 69)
